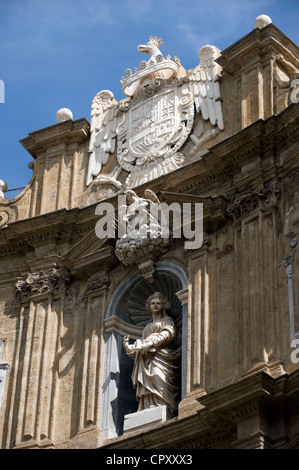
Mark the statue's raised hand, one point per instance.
(128, 347)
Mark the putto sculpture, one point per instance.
(155, 373)
(148, 239)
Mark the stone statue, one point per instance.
(155, 373)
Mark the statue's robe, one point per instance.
(156, 373)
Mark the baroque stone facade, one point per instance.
(223, 134)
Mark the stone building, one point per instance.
(222, 136)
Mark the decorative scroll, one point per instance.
(262, 197)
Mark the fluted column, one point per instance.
(41, 297)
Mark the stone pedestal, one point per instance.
(145, 418)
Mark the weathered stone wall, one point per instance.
(57, 279)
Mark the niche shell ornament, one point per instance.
(149, 127)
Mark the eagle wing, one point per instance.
(204, 80)
(103, 132)
(149, 194)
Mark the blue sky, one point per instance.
(61, 53)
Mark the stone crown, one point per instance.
(158, 65)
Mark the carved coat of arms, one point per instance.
(148, 128)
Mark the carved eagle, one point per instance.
(106, 122)
(204, 80)
(103, 132)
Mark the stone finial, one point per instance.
(3, 188)
(64, 114)
(261, 21)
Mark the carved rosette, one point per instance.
(45, 282)
(262, 197)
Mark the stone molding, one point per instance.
(222, 419)
(68, 132)
(262, 197)
(214, 208)
(254, 143)
(255, 44)
(122, 328)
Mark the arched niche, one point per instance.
(127, 315)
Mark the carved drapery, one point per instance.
(130, 297)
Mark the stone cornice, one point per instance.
(257, 394)
(261, 142)
(258, 42)
(221, 410)
(101, 260)
(68, 132)
(160, 435)
(117, 325)
(214, 208)
(62, 225)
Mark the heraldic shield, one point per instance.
(153, 124)
(156, 126)
(147, 129)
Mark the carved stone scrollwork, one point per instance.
(45, 282)
(7, 215)
(152, 125)
(261, 197)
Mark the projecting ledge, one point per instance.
(143, 419)
(67, 132)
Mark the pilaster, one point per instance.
(41, 298)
